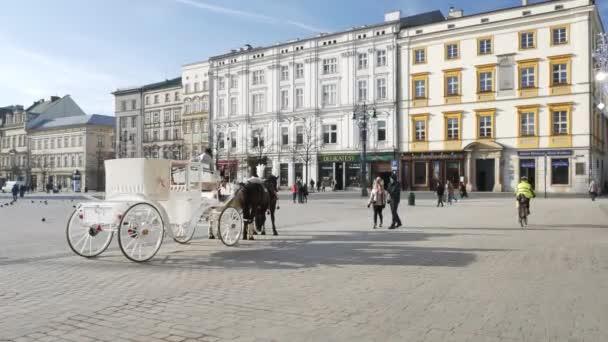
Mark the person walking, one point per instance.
(593, 189)
(463, 191)
(394, 191)
(300, 192)
(294, 191)
(15, 191)
(451, 196)
(378, 199)
(312, 185)
(440, 192)
(21, 190)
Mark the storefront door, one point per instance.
(339, 176)
(527, 168)
(284, 174)
(485, 174)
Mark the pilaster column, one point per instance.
(497, 173)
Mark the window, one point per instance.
(234, 82)
(176, 96)
(559, 119)
(381, 88)
(485, 81)
(233, 139)
(133, 121)
(452, 82)
(66, 142)
(452, 51)
(220, 107)
(299, 135)
(330, 66)
(176, 115)
(284, 73)
(299, 70)
(79, 160)
(284, 136)
(362, 61)
(419, 130)
(362, 90)
(284, 99)
(485, 124)
(257, 140)
(123, 105)
(560, 70)
(527, 122)
(528, 77)
(196, 87)
(560, 169)
(527, 40)
(52, 143)
(156, 117)
(148, 98)
(167, 116)
(221, 83)
(146, 136)
(559, 35)
(167, 97)
(452, 125)
(233, 106)
(59, 142)
(420, 88)
(420, 56)
(195, 127)
(381, 58)
(484, 46)
(299, 98)
(329, 95)
(330, 134)
(205, 103)
(221, 141)
(156, 99)
(205, 85)
(381, 133)
(258, 77)
(166, 135)
(258, 103)
(155, 135)
(420, 168)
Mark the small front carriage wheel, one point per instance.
(87, 240)
(141, 232)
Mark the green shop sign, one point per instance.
(354, 158)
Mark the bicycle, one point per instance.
(522, 210)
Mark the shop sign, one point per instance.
(433, 156)
(542, 153)
(394, 165)
(339, 158)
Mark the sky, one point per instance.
(88, 48)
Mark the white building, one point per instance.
(494, 96)
(290, 103)
(128, 110)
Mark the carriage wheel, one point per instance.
(141, 232)
(183, 233)
(87, 240)
(230, 226)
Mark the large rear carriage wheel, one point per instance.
(87, 240)
(230, 226)
(141, 232)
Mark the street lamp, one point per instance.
(600, 57)
(362, 115)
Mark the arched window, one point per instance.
(205, 103)
(195, 105)
(187, 107)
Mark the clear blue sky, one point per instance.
(88, 48)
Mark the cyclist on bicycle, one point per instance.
(525, 189)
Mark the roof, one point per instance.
(409, 21)
(64, 107)
(79, 120)
(169, 83)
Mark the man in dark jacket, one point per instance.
(394, 190)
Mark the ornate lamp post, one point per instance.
(600, 57)
(362, 116)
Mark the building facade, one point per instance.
(290, 106)
(162, 124)
(196, 89)
(14, 158)
(495, 96)
(128, 110)
(69, 148)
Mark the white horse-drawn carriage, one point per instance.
(146, 198)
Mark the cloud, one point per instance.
(249, 15)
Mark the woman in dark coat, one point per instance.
(440, 192)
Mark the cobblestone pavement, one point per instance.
(462, 273)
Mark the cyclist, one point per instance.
(525, 189)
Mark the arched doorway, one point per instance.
(483, 165)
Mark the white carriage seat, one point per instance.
(255, 180)
(147, 177)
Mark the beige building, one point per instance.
(13, 144)
(63, 148)
(195, 119)
(162, 124)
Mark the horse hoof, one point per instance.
(211, 237)
(263, 233)
(255, 233)
(275, 233)
(251, 238)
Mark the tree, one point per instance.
(259, 148)
(306, 147)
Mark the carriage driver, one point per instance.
(206, 159)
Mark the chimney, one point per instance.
(524, 2)
(55, 98)
(392, 16)
(455, 13)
